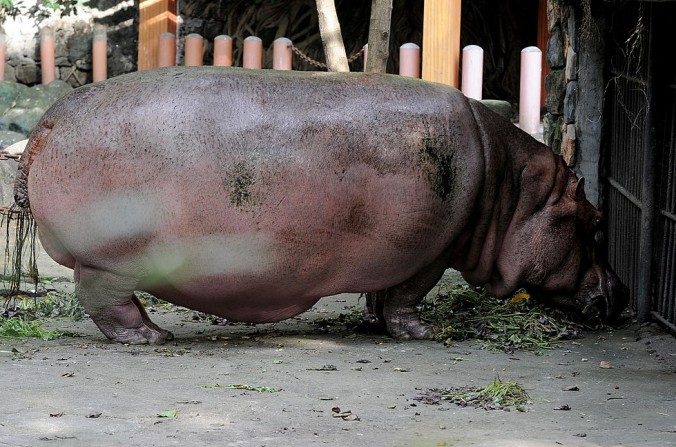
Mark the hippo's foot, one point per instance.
(109, 299)
(398, 305)
(408, 326)
(129, 323)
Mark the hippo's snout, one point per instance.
(602, 295)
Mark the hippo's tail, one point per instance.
(34, 146)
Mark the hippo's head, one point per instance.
(553, 250)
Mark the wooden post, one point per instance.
(166, 50)
(409, 60)
(252, 53)
(472, 71)
(99, 54)
(282, 56)
(223, 51)
(47, 58)
(194, 50)
(529, 91)
(441, 41)
(3, 56)
(155, 17)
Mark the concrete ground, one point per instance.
(85, 391)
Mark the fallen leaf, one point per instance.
(324, 368)
(94, 415)
(169, 414)
(68, 374)
(519, 297)
(563, 408)
(605, 365)
(571, 388)
(55, 415)
(401, 370)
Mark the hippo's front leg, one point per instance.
(109, 299)
(397, 305)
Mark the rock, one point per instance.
(502, 108)
(555, 85)
(570, 26)
(54, 91)
(21, 120)
(571, 65)
(9, 91)
(8, 137)
(10, 74)
(26, 74)
(555, 56)
(552, 131)
(570, 102)
(553, 13)
(568, 144)
(8, 170)
(80, 50)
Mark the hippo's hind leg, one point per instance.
(109, 299)
(398, 305)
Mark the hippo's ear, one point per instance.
(579, 191)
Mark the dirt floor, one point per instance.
(331, 386)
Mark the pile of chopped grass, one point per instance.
(55, 304)
(19, 327)
(499, 395)
(462, 313)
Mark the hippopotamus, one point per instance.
(251, 194)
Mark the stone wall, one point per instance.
(73, 41)
(574, 88)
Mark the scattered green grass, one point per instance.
(461, 313)
(498, 395)
(19, 327)
(239, 386)
(53, 305)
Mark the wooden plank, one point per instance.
(441, 41)
(155, 18)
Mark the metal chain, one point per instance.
(322, 65)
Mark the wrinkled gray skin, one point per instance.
(252, 194)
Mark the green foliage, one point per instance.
(19, 327)
(462, 313)
(497, 395)
(168, 414)
(55, 304)
(41, 10)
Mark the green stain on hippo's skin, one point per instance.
(240, 180)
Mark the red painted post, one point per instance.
(282, 56)
(99, 54)
(529, 92)
(409, 60)
(3, 56)
(253, 53)
(223, 51)
(47, 62)
(166, 51)
(194, 50)
(472, 71)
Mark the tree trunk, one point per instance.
(379, 36)
(329, 28)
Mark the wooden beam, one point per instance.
(155, 17)
(441, 41)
